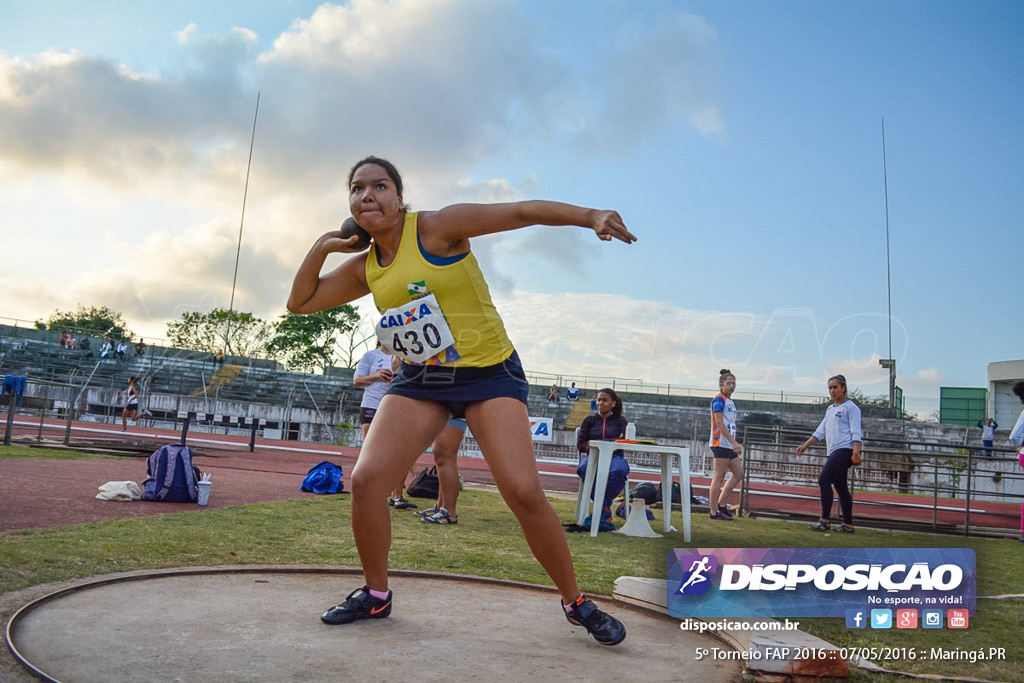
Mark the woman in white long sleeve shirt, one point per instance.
(1017, 437)
(840, 428)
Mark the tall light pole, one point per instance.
(890, 362)
(238, 252)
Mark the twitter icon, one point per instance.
(881, 618)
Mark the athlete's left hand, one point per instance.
(609, 225)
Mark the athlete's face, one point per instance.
(605, 404)
(729, 386)
(373, 199)
(837, 391)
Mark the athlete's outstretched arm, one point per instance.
(463, 221)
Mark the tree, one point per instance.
(100, 321)
(209, 332)
(872, 405)
(355, 343)
(309, 342)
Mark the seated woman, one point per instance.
(607, 425)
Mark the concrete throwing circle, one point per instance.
(262, 624)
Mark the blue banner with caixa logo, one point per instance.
(816, 582)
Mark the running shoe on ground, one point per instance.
(358, 605)
(426, 513)
(720, 517)
(605, 628)
(440, 517)
(401, 504)
(724, 509)
(820, 526)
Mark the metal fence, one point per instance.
(941, 485)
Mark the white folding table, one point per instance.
(600, 463)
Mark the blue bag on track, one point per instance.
(324, 478)
(172, 477)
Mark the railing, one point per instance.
(57, 396)
(960, 487)
(622, 385)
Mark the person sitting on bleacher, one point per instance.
(607, 425)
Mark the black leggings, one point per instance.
(834, 474)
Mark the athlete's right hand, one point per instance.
(333, 242)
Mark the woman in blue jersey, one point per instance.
(457, 361)
(724, 446)
(840, 429)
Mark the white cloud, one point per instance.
(246, 35)
(136, 179)
(614, 336)
(185, 34)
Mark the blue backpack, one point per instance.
(325, 477)
(172, 477)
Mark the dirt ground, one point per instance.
(37, 493)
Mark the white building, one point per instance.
(1003, 405)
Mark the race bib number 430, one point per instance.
(416, 331)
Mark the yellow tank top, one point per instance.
(458, 284)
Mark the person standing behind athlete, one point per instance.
(724, 446)
(445, 450)
(840, 428)
(425, 259)
(373, 373)
(1017, 439)
(988, 434)
(607, 425)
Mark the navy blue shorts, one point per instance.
(457, 387)
(724, 453)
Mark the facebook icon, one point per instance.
(856, 618)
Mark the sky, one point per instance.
(741, 141)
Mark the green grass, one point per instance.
(487, 542)
(50, 453)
